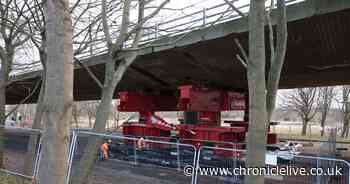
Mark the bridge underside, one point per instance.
(317, 55)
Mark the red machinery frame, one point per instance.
(207, 102)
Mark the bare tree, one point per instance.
(12, 26)
(37, 31)
(262, 93)
(324, 104)
(278, 54)
(76, 113)
(90, 110)
(58, 96)
(12, 36)
(304, 102)
(115, 67)
(257, 87)
(346, 110)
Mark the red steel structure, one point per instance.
(208, 103)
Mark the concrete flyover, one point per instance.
(318, 54)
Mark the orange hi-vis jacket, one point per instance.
(141, 144)
(105, 150)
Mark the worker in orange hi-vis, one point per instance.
(141, 144)
(105, 149)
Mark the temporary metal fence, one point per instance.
(168, 160)
(342, 148)
(217, 165)
(153, 162)
(211, 159)
(198, 142)
(21, 150)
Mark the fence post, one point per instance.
(318, 178)
(135, 152)
(178, 155)
(196, 164)
(37, 159)
(71, 154)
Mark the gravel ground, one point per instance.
(113, 171)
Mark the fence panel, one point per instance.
(134, 161)
(211, 158)
(21, 152)
(325, 166)
(217, 165)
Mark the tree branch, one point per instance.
(91, 74)
(106, 30)
(271, 37)
(242, 61)
(145, 19)
(235, 9)
(245, 59)
(25, 99)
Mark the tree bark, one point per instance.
(345, 126)
(257, 136)
(3, 82)
(5, 69)
(58, 96)
(326, 99)
(75, 113)
(304, 128)
(90, 121)
(323, 121)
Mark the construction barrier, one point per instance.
(217, 165)
(132, 160)
(20, 149)
(168, 160)
(213, 161)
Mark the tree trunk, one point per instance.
(90, 121)
(304, 128)
(58, 98)
(3, 82)
(4, 74)
(257, 136)
(276, 63)
(323, 121)
(91, 151)
(76, 121)
(37, 125)
(345, 126)
(112, 79)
